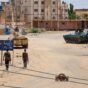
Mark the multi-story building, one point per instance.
(8, 12)
(64, 10)
(39, 10)
(16, 7)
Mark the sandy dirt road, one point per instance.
(48, 52)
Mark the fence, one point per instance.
(61, 25)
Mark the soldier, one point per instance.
(25, 58)
(16, 29)
(16, 32)
(7, 59)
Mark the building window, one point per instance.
(53, 17)
(9, 17)
(42, 17)
(35, 10)
(54, 2)
(66, 10)
(35, 18)
(25, 0)
(42, 10)
(42, 2)
(85, 16)
(35, 2)
(7, 3)
(66, 17)
(26, 10)
(54, 10)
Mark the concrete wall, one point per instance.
(61, 25)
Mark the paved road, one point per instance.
(48, 52)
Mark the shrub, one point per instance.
(34, 30)
(37, 30)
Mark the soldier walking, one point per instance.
(25, 58)
(7, 59)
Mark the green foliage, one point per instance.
(71, 12)
(71, 8)
(36, 30)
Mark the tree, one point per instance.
(71, 12)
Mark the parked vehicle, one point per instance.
(20, 42)
(77, 37)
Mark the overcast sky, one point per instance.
(78, 3)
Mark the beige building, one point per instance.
(64, 10)
(8, 11)
(12, 8)
(39, 10)
(82, 13)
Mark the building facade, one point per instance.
(64, 10)
(41, 9)
(38, 10)
(82, 13)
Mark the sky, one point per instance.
(77, 3)
(82, 4)
(4, 0)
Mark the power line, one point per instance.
(29, 75)
(36, 71)
(79, 82)
(46, 77)
(49, 73)
(42, 77)
(79, 78)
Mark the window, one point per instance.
(85, 15)
(42, 10)
(7, 2)
(35, 18)
(26, 10)
(9, 16)
(42, 17)
(54, 10)
(25, 0)
(66, 10)
(66, 17)
(35, 2)
(35, 10)
(53, 17)
(42, 2)
(54, 2)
